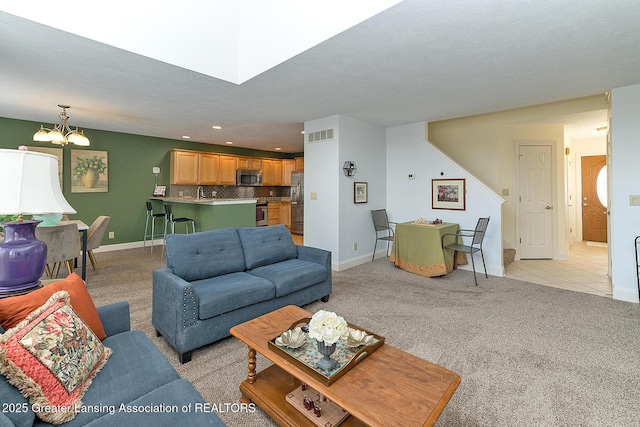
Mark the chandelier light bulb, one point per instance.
(62, 134)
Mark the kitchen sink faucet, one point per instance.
(200, 193)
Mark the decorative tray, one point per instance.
(306, 356)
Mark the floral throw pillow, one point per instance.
(51, 357)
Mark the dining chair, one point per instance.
(169, 219)
(63, 247)
(381, 224)
(477, 236)
(151, 217)
(95, 236)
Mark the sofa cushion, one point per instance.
(266, 245)
(14, 309)
(52, 357)
(222, 294)
(18, 409)
(291, 275)
(205, 254)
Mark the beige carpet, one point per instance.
(528, 355)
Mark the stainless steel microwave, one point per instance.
(249, 177)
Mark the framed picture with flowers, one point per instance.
(89, 171)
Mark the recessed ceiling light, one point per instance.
(216, 127)
(302, 132)
(278, 148)
(186, 137)
(229, 142)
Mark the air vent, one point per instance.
(321, 135)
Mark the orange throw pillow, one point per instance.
(15, 309)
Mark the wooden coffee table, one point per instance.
(388, 388)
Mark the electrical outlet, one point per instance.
(634, 200)
(355, 246)
(112, 234)
(411, 176)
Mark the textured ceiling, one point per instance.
(417, 61)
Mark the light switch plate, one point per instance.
(634, 200)
(313, 195)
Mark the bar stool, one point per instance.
(151, 216)
(168, 218)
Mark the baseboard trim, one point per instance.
(129, 245)
(628, 295)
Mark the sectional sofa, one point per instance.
(217, 279)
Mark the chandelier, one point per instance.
(61, 134)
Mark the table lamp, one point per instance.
(30, 186)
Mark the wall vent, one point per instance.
(321, 135)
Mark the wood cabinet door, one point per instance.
(277, 172)
(285, 214)
(273, 213)
(299, 163)
(288, 166)
(252, 163)
(209, 165)
(227, 171)
(184, 167)
(267, 172)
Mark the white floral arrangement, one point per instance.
(328, 327)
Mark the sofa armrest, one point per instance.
(319, 256)
(115, 317)
(174, 303)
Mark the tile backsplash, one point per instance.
(230, 191)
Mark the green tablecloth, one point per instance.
(417, 248)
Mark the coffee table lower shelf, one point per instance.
(269, 393)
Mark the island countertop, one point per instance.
(205, 201)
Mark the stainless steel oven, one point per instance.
(261, 214)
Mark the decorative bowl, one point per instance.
(293, 338)
(357, 338)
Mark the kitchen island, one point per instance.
(210, 213)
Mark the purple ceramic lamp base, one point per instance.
(22, 257)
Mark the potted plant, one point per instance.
(89, 170)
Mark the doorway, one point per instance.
(594, 198)
(535, 201)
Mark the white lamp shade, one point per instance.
(30, 184)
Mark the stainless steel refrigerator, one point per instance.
(297, 202)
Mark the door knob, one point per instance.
(585, 204)
(548, 207)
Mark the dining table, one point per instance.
(418, 248)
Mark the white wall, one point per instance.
(409, 153)
(333, 221)
(321, 176)
(625, 219)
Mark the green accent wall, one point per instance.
(131, 181)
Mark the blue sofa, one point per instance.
(217, 279)
(135, 375)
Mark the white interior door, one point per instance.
(535, 171)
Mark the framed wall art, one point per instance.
(89, 171)
(448, 194)
(55, 152)
(359, 192)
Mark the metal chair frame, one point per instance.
(151, 216)
(477, 236)
(169, 219)
(381, 223)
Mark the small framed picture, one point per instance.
(160, 190)
(359, 192)
(448, 194)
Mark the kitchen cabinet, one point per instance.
(288, 166)
(271, 172)
(227, 170)
(185, 167)
(273, 213)
(252, 163)
(209, 166)
(299, 163)
(285, 212)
